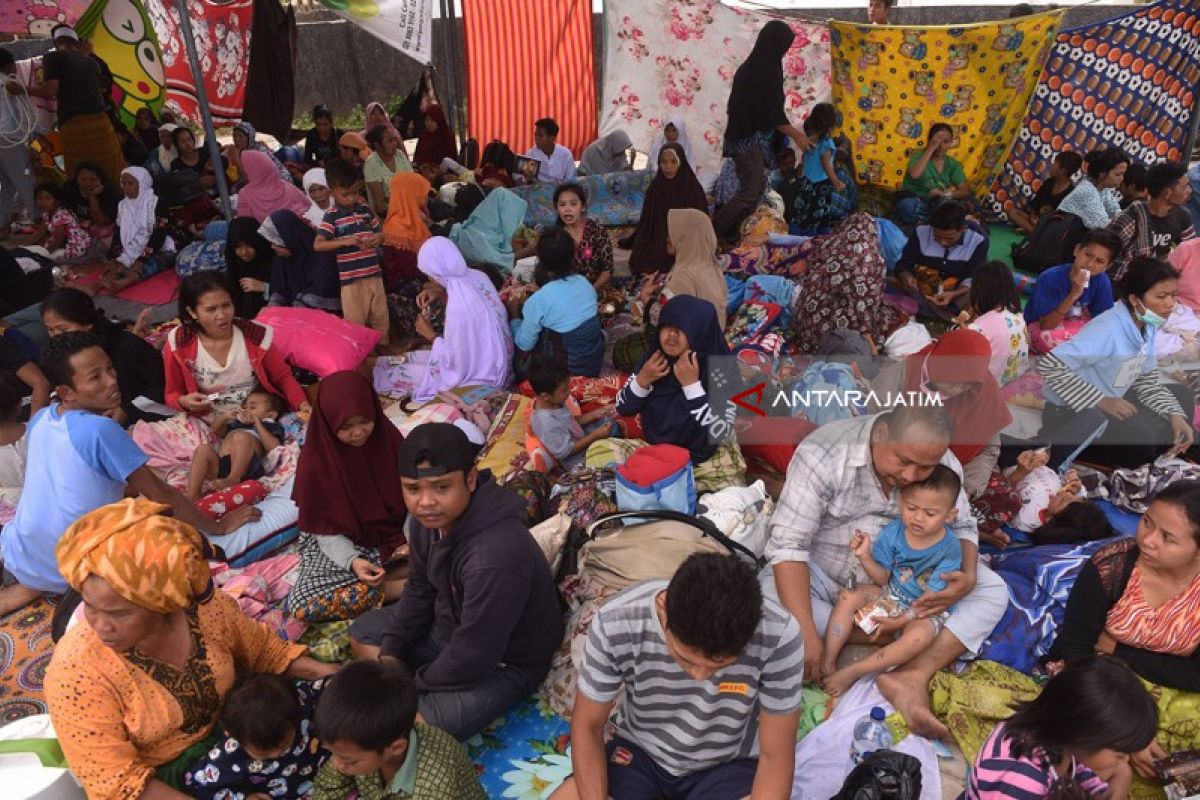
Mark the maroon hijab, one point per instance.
(433, 146)
(346, 490)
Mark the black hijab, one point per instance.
(306, 277)
(244, 230)
(650, 239)
(756, 99)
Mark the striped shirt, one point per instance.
(831, 491)
(998, 773)
(353, 263)
(685, 725)
(1107, 358)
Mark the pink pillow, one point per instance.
(218, 504)
(317, 340)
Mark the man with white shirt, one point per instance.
(847, 476)
(558, 164)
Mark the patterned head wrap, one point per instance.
(153, 561)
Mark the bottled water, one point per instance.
(870, 735)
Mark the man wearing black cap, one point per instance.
(479, 619)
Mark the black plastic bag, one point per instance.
(884, 775)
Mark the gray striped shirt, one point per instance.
(686, 725)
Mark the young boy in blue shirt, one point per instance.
(910, 556)
(353, 232)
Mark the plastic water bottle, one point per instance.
(870, 735)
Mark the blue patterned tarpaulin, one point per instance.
(1129, 82)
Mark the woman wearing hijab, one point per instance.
(404, 231)
(697, 272)
(135, 688)
(353, 147)
(146, 249)
(607, 154)
(955, 369)
(248, 260)
(300, 276)
(316, 186)
(375, 114)
(476, 347)
(486, 236)
(245, 140)
(671, 391)
(755, 114)
(265, 192)
(145, 128)
(436, 140)
(674, 132)
(351, 508)
(674, 186)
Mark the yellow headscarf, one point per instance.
(404, 228)
(153, 561)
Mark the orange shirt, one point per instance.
(117, 723)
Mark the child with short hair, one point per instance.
(247, 436)
(557, 435)
(1133, 185)
(268, 748)
(60, 231)
(910, 556)
(354, 233)
(785, 180)
(819, 179)
(367, 719)
(1053, 190)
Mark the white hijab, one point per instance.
(682, 141)
(136, 217)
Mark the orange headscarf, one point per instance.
(153, 561)
(979, 413)
(404, 228)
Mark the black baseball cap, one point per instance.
(441, 447)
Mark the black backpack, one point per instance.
(468, 156)
(1052, 242)
(177, 189)
(498, 154)
(883, 775)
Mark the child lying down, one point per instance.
(249, 434)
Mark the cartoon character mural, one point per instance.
(909, 126)
(42, 16)
(922, 83)
(868, 132)
(122, 35)
(874, 171)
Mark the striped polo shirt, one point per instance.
(686, 725)
(353, 263)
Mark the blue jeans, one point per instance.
(633, 775)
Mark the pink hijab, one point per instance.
(1186, 259)
(266, 192)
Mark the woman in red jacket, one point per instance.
(213, 360)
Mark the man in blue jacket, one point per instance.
(479, 619)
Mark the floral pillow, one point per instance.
(218, 504)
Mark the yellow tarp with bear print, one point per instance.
(891, 83)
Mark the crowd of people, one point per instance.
(686, 685)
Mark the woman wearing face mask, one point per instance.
(1103, 387)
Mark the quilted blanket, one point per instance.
(614, 199)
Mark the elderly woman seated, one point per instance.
(135, 690)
